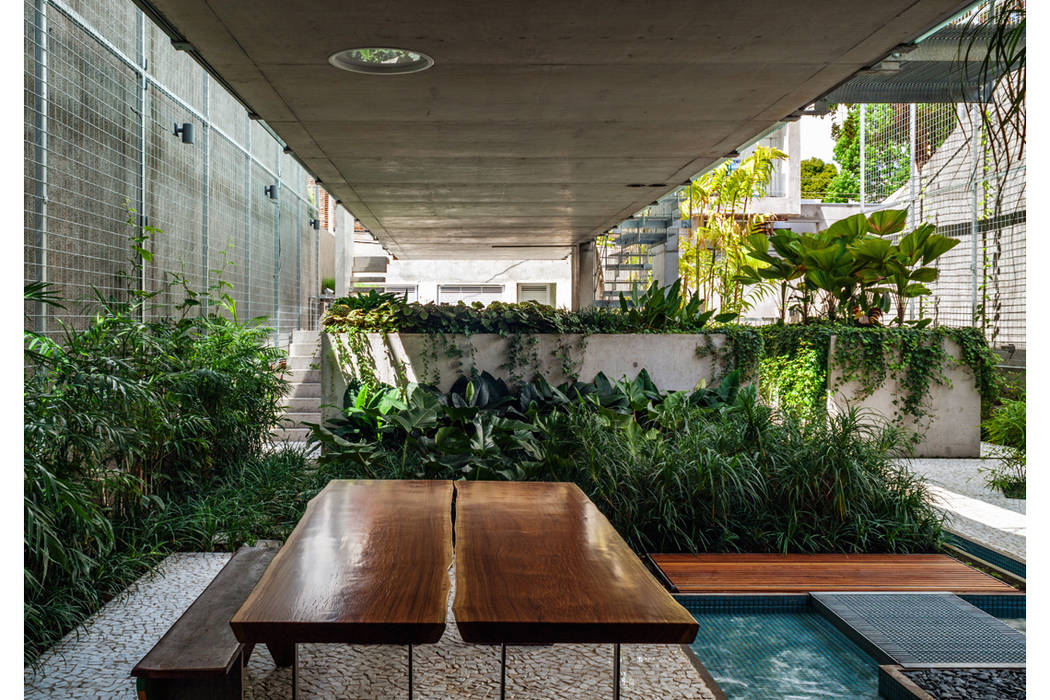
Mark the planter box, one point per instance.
(952, 426)
(397, 358)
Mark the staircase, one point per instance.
(303, 399)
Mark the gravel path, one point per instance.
(94, 661)
(980, 524)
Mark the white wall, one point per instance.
(429, 274)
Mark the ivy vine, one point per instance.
(917, 359)
(741, 350)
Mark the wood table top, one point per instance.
(367, 564)
(539, 563)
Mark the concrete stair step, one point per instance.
(311, 404)
(303, 376)
(292, 434)
(305, 348)
(303, 362)
(299, 417)
(306, 336)
(310, 390)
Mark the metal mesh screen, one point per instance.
(941, 161)
(104, 89)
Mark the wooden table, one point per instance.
(539, 563)
(367, 564)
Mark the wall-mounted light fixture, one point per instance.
(315, 224)
(184, 130)
(270, 191)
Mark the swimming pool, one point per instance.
(765, 647)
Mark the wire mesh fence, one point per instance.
(104, 92)
(941, 162)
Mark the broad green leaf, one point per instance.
(887, 221)
(936, 246)
(924, 274)
(850, 227)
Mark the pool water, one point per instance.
(784, 655)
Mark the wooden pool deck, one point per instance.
(802, 573)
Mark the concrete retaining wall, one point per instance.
(396, 358)
(952, 426)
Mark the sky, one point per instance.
(816, 138)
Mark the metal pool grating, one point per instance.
(923, 628)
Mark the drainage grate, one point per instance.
(922, 628)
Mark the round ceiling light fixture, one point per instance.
(381, 60)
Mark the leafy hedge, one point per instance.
(659, 310)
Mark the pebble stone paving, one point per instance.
(963, 476)
(94, 661)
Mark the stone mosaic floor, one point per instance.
(94, 661)
(974, 510)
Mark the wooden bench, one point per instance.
(199, 657)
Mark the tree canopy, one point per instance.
(816, 176)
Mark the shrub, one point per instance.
(1007, 427)
(121, 418)
(658, 310)
(710, 471)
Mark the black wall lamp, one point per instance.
(270, 191)
(184, 130)
(315, 224)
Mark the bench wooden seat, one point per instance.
(199, 656)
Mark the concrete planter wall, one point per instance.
(952, 426)
(396, 358)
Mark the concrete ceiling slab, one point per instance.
(538, 120)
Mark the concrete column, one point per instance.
(583, 276)
(665, 261)
(344, 251)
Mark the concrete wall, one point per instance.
(396, 358)
(952, 428)
(326, 254)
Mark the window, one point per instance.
(538, 292)
(469, 293)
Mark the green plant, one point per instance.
(660, 308)
(852, 263)
(1007, 427)
(915, 357)
(713, 470)
(122, 416)
(327, 283)
(657, 310)
(720, 202)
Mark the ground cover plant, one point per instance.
(124, 418)
(711, 470)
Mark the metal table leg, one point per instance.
(503, 672)
(409, 672)
(616, 672)
(295, 671)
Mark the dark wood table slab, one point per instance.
(539, 563)
(367, 564)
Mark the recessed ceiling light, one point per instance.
(381, 61)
